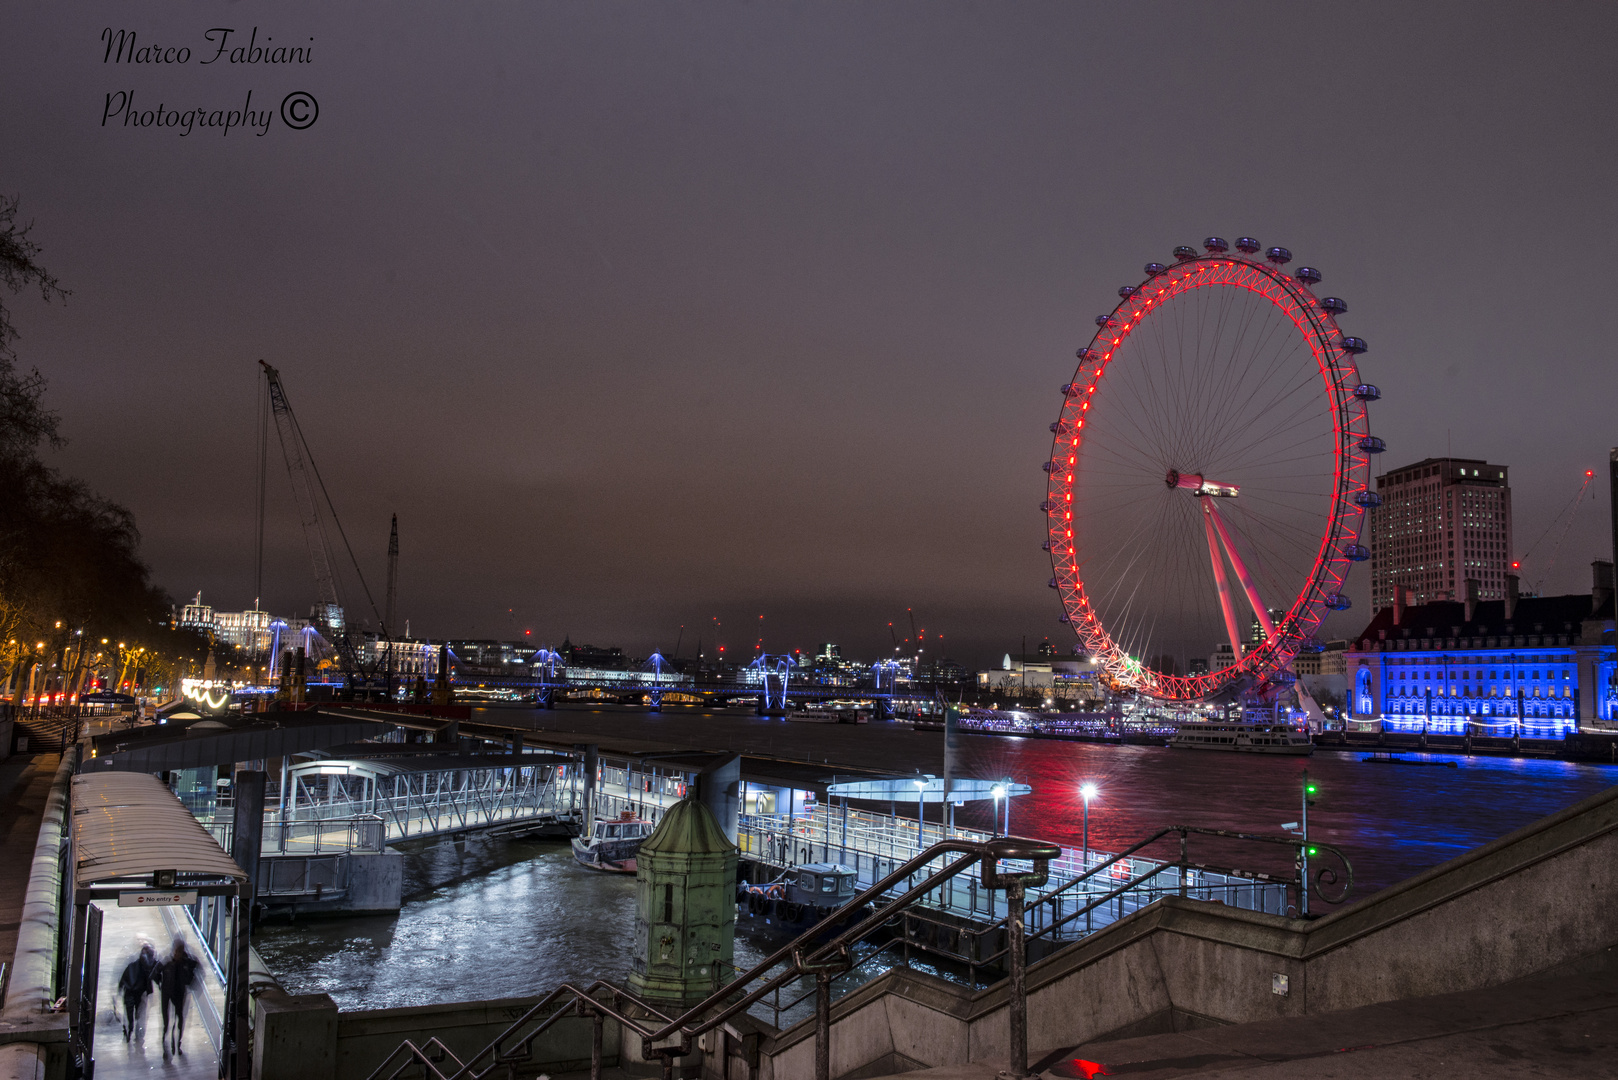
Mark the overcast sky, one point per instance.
(642, 315)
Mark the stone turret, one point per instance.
(685, 907)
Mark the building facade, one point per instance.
(1535, 666)
(1441, 522)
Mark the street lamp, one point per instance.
(921, 811)
(1087, 791)
(999, 792)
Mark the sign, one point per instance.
(156, 899)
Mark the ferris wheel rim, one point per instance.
(1334, 355)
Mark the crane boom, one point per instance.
(393, 574)
(314, 530)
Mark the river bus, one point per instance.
(1244, 738)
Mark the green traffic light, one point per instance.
(1314, 851)
(1310, 789)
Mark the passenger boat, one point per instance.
(1244, 738)
(802, 896)
(827, 716)
(612, 845)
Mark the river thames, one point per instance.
(488, 918)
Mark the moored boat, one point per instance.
(802, 896)
(612, 845)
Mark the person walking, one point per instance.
(175, 978)
(134, 985)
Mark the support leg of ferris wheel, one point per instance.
(1242, 575)
(1225, 603)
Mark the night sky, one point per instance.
(642, 315)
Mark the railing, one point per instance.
(669, 1037)
(874, 843)
(363, 832)
(894, 897)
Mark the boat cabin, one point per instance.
(822, 885)
(622, 830)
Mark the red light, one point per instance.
(1589, 472)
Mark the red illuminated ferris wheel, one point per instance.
(1216, 419)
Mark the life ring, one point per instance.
(776, 891)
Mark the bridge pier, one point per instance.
(657, 700)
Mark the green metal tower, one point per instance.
(685, 907)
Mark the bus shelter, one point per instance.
(135, 845)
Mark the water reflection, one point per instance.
(488, 918)
(483, 918)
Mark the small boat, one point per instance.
(1244, 738)
(802, 896)
(826, 716)
(612, 845)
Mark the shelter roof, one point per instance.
(223, 741)
(396, 765)
(130, 825)
(911, 789)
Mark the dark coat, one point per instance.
(136, 981)
(175, 976)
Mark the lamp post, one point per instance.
(1087, 791)
(999, 792)
(921, 812)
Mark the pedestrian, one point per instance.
(174, 978)
(135, 984)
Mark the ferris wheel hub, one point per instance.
(1199, 486)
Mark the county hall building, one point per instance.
(1536, 666)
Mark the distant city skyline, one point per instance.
(639, 317)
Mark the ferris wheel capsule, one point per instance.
(1367, 392)
(1333, 305)
(1308, 275)
(1183, 253)
(1154, 269)
(1280, 256)
(1128, 290)
(1106, 320)
(1216, 245)
(1247, 244)
(1353, 345)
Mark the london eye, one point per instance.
(1209, 474)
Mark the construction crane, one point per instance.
(1570, 512)
(309, 491)
(393, 573)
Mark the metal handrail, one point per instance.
(806, 959)
(1325, 875)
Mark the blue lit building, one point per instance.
(1538, 666)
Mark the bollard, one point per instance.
(1014, 885)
